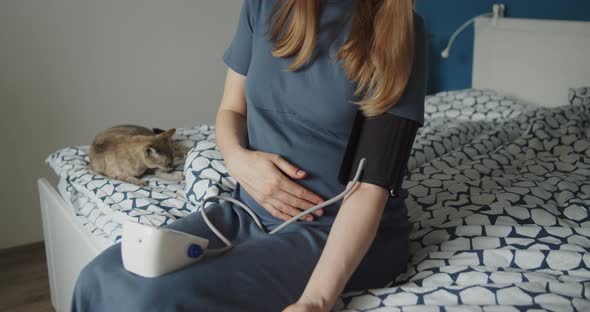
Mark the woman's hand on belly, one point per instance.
(265, 177)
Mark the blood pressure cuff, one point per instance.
(386, 142)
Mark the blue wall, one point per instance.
(443, 17)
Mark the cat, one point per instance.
(128, 152)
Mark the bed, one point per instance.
(499, 195)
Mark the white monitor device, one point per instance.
(151, 251)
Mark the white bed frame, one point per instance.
(68, 246)
(535, 61)
(549, 47)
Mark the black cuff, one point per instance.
(386, 142)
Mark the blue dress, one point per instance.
(304, 116)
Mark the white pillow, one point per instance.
(206, 173)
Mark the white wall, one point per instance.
(69, 68)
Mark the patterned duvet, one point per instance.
(499, 194)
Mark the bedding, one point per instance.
(579, 96)
(499, 195)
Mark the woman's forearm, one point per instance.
(351, 235)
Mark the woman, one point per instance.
(312, 87)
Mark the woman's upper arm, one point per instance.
(238, 54)
(411, 104)
(234, 93)
(386, 140)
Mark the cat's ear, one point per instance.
(168, 133)
(149, 151)
(158, 130)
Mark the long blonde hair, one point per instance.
(377, 56)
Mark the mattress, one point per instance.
(84, 209)
(499, 195)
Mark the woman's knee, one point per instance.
(104, 263)
(109, 258)
(385, 260)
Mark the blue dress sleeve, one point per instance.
(238, 54)
(411, 104)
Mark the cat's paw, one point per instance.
(170, 176)
(133, 180)
(176, 176)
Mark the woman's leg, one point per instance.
(389, 253)
(387, 258)
(261, 273)
(105, 285)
